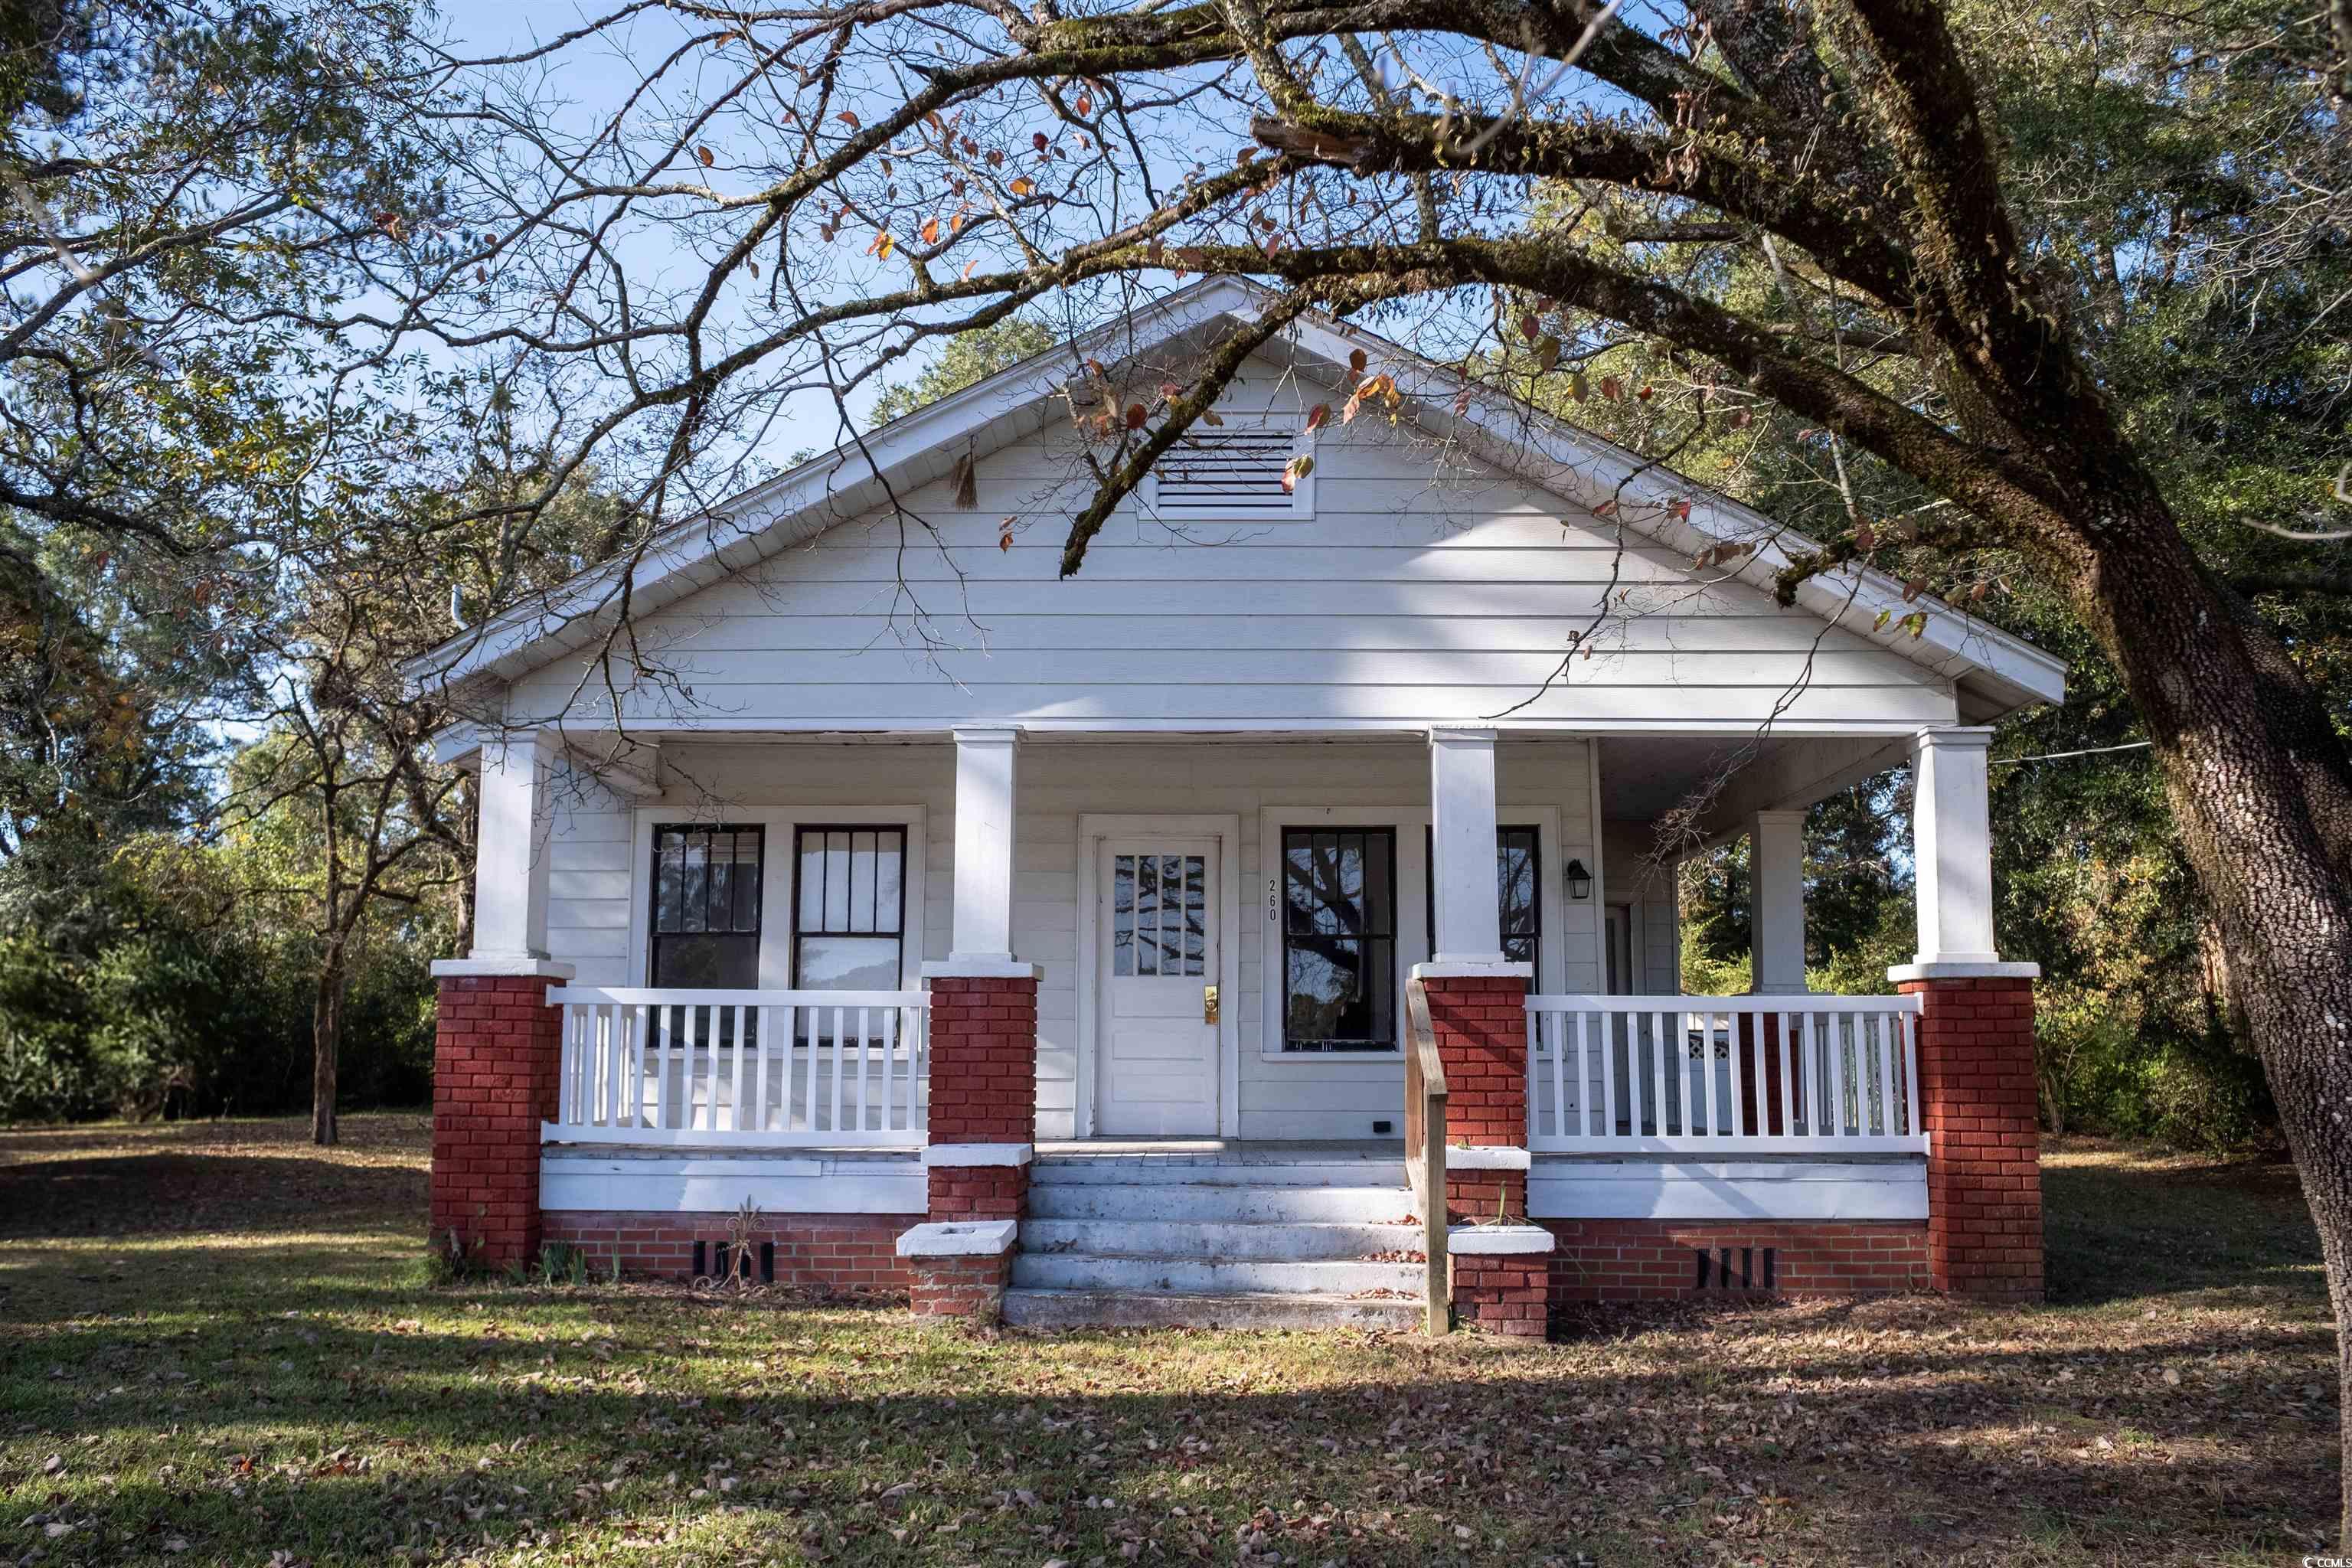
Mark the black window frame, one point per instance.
(906, 850)
(1343, 1047)
(653, 931)
(1533, 937)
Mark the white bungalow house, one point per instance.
(1055, 941)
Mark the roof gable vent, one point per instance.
(1231, 473)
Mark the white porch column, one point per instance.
(1461, 847)
(984, 801)
(511, 848)
(1776, 875)
(1951, 839)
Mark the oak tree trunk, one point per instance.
(327, 1040)
(2260, 785)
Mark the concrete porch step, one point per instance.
(1143, 1273)
(1062, 1170)
(1266, 1238)
(1227, 1240)
(1209, 1202)
(1076, 1309)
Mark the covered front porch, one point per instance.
(1303, 877)
(948, 963)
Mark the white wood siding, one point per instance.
(1416, 591)
(1629, 879)
(580, 1178)
(594, 906)
(1419, 590)
(1881, 1188)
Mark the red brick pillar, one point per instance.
(1481, 1024)
(1502, 1278)
(1484, 1192)
(958, 1269)
(1977, 1105)
(967, 1287)
(497, 1049)
(984, 1099)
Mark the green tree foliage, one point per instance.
(1857, 878)
(96, 741)
(966, 358)
(35, 35)
(166, 1009)
(2144, 165)
(195, 200)
(195, 195)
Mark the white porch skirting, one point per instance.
(1559, 1187)
(1893, 1188)
(891, 1183)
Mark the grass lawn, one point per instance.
(216, 1347)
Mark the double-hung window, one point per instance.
(706, 915)
(849, 916)
(848, 908)
(1339, 939)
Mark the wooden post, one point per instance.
(1424, 1151)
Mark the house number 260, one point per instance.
(1274, 898)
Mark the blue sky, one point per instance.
(598, 73)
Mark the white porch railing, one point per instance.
(1723, 1075)
(778, 1069)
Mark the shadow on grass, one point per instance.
(2117, 1231)
(165, 1193)
(1888, 1431)
(1543, 1454)
(311, 1398)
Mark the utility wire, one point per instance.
(2088, 752)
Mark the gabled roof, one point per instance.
(1995, 671)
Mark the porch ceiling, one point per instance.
(1643, 776)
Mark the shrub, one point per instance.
(161, 1018)
(2106, 1066)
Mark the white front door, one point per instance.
(1156, 1033)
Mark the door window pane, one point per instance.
(1159, 919)
(1122, 915)
(1147, 915)
(1518, 879)
(1339, 939)
(1196, 914)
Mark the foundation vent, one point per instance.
(1735, 1268)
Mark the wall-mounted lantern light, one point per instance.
(1579, 880)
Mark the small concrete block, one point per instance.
(1470, 1158)
(959, 1238)
(1497, 1240)
(959, 1155)
(981, 969)
(501, 968)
